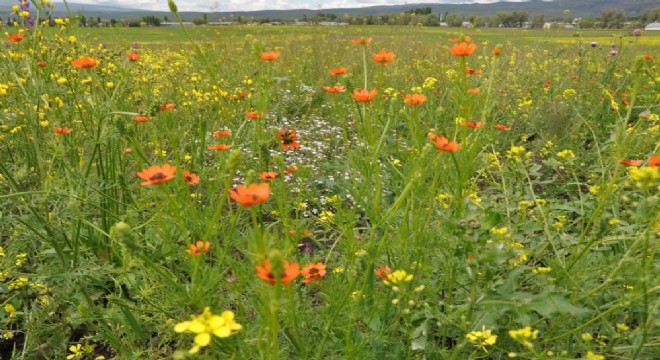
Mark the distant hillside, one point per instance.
(553, 9)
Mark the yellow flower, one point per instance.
(482, 338)
(76, 351)
(524, 336)
(207, 324)
(109, 84)
(566, 154)
(398, 277)
(592, 356)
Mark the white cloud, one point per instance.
(241, 5)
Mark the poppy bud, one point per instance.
(172, 6)
(234, 160)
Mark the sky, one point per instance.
(242, 5)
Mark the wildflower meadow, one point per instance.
(328, 192)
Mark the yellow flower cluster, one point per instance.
(645, 176)
(398, 277)
(207, 324)
(482, 338)
(524, 336)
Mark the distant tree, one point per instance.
(505, 19)
(198, 21)
(650, 15)
(519, 18)
(613, 18)
(91, 22)
(586, 23)
(83, 21)
(151, 20)
(454, 20)
(538, 21)
(166, 19)
(113, 22)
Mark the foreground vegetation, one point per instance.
(276, 193)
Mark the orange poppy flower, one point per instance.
(41, 63)
(288, 139)
(168, 106)
(270, 55)
(199, 248)
(15, 38)
(362, 41)
(383, 56)
(631, 162)
(222, 133)
(382, 272)
(364, 95)
(472, 71)
(219, 147)
(648, 57)
(190, 178)
(313, 272)
(496, 51)
(291, 169)
(501, 127)
(654, 161)
(443, 144)
(252, 114)
(62, 131)
(157, 174)
(473, 124)
(84, 62)
(291, 272)
(463, 49)
(338, 71)
(249, 195)
(140, 118)
(268, 176)
(334, 89)
(133, 56)
(462, 38)
(474, 91)
(415, 99)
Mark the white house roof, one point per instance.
(653, 26)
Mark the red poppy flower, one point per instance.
(190, 178)
(157, 174)
(222, 133)
(648, 57)
(62, 131)
(313, 272)
(84, 62)
(288, 139)
(252, 114)
(415, 99)
(362, 41)
(291, 169)
(15, 38)
(654, 161)
(290, 273)
(334, 89)
(141, 118)
(219, 147)
(501, 127)
(496, 51)
(168, 106)
(270, 55)
(474, 91)
(338, 71)
(443, 144)
(252, 194)
(473, 124)
(199, 248)
(472, 71)
(41, 63)
(364, 95)
(268, 176)
(463, 49)
(133, 56)
(631, 162)
(383, 56)
(382, 272)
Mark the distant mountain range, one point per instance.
(588, 8)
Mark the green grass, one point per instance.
(427, 253)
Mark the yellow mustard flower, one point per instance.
(207, 324)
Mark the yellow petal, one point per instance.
(222, 332)
(202, 339)
(182, 326)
